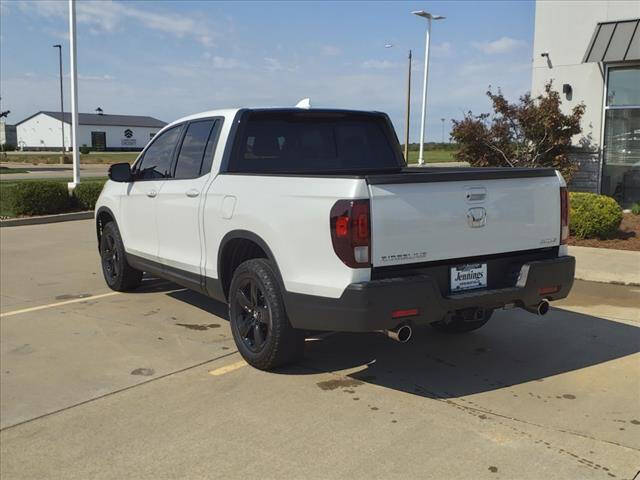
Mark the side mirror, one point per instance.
(120, 172)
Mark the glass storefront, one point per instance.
(621, 143)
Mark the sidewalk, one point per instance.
(607, 265)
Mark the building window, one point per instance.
(621, 141)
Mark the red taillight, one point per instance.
(564, 215)
(350, 232)
(342, 226)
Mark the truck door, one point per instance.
(139, 200)
(181, 199)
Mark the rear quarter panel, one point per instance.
(291, 215)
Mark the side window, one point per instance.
(211, 148)
(156, 163)
(193, 149)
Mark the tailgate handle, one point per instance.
(476, 194)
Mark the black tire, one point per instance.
(459, 325)
(259, 323)
(118, 274)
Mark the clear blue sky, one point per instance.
(168, 59)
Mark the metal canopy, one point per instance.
(614, 42)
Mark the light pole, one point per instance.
(406, 130)
(74, 94)
(59, 47)
(442, 129)
(429, 17)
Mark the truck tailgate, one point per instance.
(423, 217)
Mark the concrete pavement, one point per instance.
(149, 385)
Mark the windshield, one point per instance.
(315, 141)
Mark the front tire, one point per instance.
(118, 274)
(259, 323)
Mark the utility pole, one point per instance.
(406, 132)
(59, 47)
(74, 94)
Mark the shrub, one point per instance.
(38, 198)
(86, 194)
(635, 208)
(532, 132)
(593, 215)
(84, 149)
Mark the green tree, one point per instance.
(530, 133)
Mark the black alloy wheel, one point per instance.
(110, 257)
(253, 315)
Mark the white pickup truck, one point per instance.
(309, 220)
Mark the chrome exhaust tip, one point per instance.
(402, 333)
(541, 309)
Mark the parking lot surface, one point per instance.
(98, 384)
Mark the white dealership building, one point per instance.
(43, 131)
(591, 51)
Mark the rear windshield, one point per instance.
(314, 142)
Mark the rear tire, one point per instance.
(118, 274)
(259, 323)
(459, 325)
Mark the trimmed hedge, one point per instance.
(593, 216)
(86, 194)
(39, 198)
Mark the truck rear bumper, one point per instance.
(369, 306)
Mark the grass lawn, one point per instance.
(48, 158)
(6, 186)
(433, 156)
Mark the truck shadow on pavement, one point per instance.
(515, 347)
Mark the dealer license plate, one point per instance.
(467, 277)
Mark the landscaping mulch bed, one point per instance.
(627, 237)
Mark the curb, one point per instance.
(62, 217)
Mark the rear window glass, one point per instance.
(298, 142)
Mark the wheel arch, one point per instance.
(103, 216)
(238, 246)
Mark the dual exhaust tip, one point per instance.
(403, 332)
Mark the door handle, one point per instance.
(191, 193)
(151, 193)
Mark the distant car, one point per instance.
(309, 219)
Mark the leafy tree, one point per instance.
(530, 133)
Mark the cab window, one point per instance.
(156, 162)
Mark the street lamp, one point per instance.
(442, 119)
(406, 132)
(429, 17)
(59, 47)
(74, 94)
